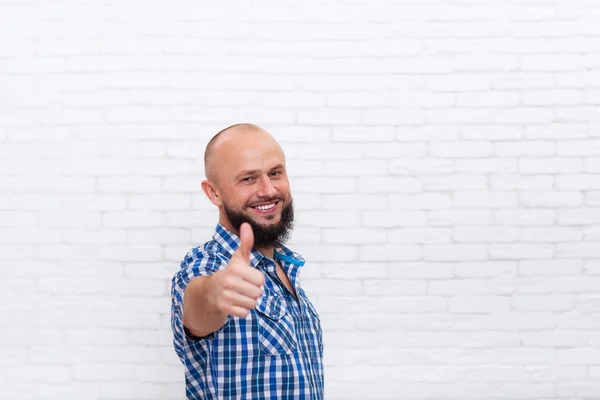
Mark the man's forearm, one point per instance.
(199, 316)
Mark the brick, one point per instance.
(325, 185)
(550, 165)
(354, 201)
(578, 148)
(550, 267)
(455, 182)
(492, 132)
(426, 201)
(489, 199)
(522, 182)
(466, 149)
(421, 166)
(394, 150)
(420, 235)
(362, 134)
(529, 148)
(460, 217)
(427, 133)
(487, 165)
(521, 251)
(354, 236)
(355, 168)
(478, 304)
(454, 252)
(556, 131)
(484, 234)
(549, 199)
(578, 250)
(578, 182)
(556, 303)
(329, 151)
(488, 99)
(550, 234)
(393, 218)
(552, 97)
(376, 184)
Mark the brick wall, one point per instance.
(444, 159)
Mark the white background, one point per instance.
(444, 158)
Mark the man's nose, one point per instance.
(266, 188)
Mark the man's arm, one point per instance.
(234, 290)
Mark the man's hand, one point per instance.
(236, 289)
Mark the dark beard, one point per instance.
(273, 236)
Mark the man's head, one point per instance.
(247, 179)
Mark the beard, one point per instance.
(265, 236)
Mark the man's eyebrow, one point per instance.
(247, 172)
(278, 166)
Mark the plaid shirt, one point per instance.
(276, 352)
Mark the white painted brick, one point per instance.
(330, 219)
(302, 168)
(492, 132)
(362, 134)
(421, 166)
(355, 168)
(489, 199)
(472, 287)
(521, 251)
(129, 184)
(354, 271)
(591, 164)
(420, 235)
(354, 236)
(103, 372)
(484, 234)
(552, 97)
(393, 218)
(156, 202)
(479, 304)
(133, 219)
(455, 182)
(490, 269)
(557, 131)
(579, 216)
(425, 201)
(578, 148)
(554, 303)
(389, 253)
(394, 150)
(529, 148)
(577, 182)
(326, 185)
(523, 80)
(503, 166)
(520, 182)
(460, 217)
(465, 149)
(454, 252)
(326, 117)
(376, 184)
(592, 198)
(329, 151)
(556, 338)
(550, 199)
(550, 165)
(354, 201)
(488, 99)
(550, 234)
(591, 234)
(427, 133)
(578, 250)
(456, 82)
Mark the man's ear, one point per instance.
(211, 192)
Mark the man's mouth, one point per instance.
(265, 208)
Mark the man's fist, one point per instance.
(236, 289)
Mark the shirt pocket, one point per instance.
(276, 328)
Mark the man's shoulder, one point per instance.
(207, 256)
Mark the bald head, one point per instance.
(228, 142)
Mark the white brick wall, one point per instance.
(445, 162)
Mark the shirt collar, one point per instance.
(230, 242)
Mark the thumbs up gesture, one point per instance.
(236, 289)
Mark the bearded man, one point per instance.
(242, 325)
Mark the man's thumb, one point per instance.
(247, 241)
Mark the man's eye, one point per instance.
(248, 179)
(276, 173)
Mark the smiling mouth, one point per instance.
(265, 207)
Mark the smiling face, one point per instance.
(248, 182)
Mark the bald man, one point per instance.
(243, 327)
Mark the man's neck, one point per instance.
(266, 251)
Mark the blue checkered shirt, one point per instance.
(276, 352)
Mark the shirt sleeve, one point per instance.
(197, 262)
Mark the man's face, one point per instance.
(254, 188)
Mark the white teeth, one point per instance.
(265, 208)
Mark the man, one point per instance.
(242, 325)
